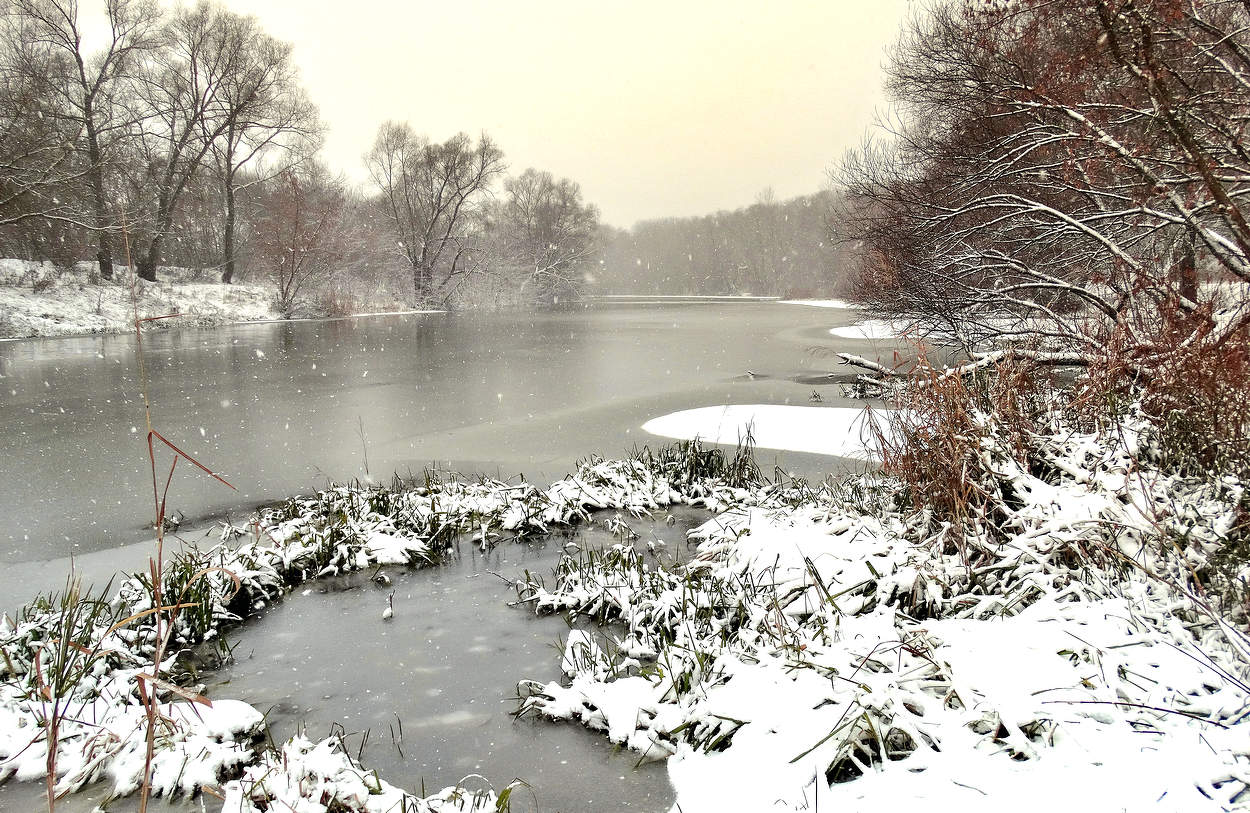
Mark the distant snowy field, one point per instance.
(839, 431)
(71, 304)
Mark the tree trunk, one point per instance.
(421, 277)
(147, 264)
(102, 221)
(164, 217)
(227, 274)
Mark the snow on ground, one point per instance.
(869, 329)
(69, 303)
(839, 431)
(73, 303)
(837, 647)
(821, 303)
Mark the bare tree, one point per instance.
(200, 84)
(268, 117)
(83, 88)
(1059, 173)
(300, 236)
(39, 174)
(431, 192)
(549, 233)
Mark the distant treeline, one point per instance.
(786, 248)
(185, 138)
(182, 136)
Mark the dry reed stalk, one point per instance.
(150, 683)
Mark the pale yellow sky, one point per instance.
(655, 108)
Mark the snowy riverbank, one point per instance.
(823, 644)
(837, 646)
(40, 300)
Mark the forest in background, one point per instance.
(183, 137)
(772, 248)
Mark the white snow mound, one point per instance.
(839, 431)
(869, 329)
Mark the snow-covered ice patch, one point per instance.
(839, 431)
(869, 329)
(691, 297)
(821, 303)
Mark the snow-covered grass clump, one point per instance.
(850, 647)
(78, 660)
(307, 776)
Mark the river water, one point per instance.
(280, 408)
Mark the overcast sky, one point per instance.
(655, 108)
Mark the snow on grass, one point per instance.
(69, 303)
(839, 431)
(838, 647)
(73, 302)
(341, 529)
(303, 776)
(869, 329)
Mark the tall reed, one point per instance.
(163, 615)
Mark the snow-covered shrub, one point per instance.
(949, 436)
(1198, 408)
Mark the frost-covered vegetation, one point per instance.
(1038, 596)
(73, 664)
(1066, 629)
(40, 299)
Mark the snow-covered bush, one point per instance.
(875, 642)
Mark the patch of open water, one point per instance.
(443, 671)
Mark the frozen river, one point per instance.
(280, 408)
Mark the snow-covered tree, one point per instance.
(1060, 174)
(548, 233)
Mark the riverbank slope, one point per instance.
(43, 300)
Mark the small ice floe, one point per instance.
(840, 431)
(870, 329)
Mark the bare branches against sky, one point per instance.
(657, 108)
